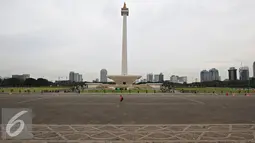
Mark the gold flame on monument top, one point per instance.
(125, 6)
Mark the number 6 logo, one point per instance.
(14, 121)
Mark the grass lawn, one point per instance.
(119, 91)
(190, 89)
(32, 89)
(216, 90)
(39, 89)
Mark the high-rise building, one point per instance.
(178, 79)
(232, 73)
(156, 77)
(103, 75)
(75, 77)
(150, 77)
(80, 79)
(21, 77)
(254, 69)
(161, 77)
(174, 79)
(71, 76)
(213, 74)
(204, 76)
(244, 73)
(182, 79)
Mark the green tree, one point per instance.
(12, 82)
(30, 82)
(42, 82)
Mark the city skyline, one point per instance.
(49, 38)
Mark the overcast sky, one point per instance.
(50, 38)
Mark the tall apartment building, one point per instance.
(244, 73)
(103, 75)
(150, 77)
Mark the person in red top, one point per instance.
(121, 98)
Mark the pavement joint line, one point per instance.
(35, 99)
(196, 101)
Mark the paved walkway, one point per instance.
(144, 133)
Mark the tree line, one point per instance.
(231, 84)
(29, 82)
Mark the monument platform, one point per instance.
(124, 80)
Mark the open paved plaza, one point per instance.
(141, 117)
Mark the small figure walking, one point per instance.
(121, 98)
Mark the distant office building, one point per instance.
(244, 73)
(161, 77)
(96, 80)
(21, 77)
(103, 75)
(80, 79)
(156, 77)
(204, 76)
(150, 77)
(75, 77)
(71, 76)
(178, 79)
(254, 69)
(213, 74)
(183, 79)
(174, 79)
(232, 73)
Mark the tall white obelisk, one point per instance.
(124, 13)
(124, 80)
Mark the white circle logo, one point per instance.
(14, 120)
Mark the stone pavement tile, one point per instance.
(133, 136)
(218, 127)
(103, 136)
(176, 127)
(46, 136)
(111, 128)
(243, 127)
(60, 128)
(215, 136)
(188, 135)
(130, 128)
(198, 128)
(160, 136)
(151, 128)
(241, 136)
(76, 136)
(84, 128)
(40, 128)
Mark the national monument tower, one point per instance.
(124, 79)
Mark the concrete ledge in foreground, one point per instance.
(206, 133)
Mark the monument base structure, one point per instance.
(124, 80)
